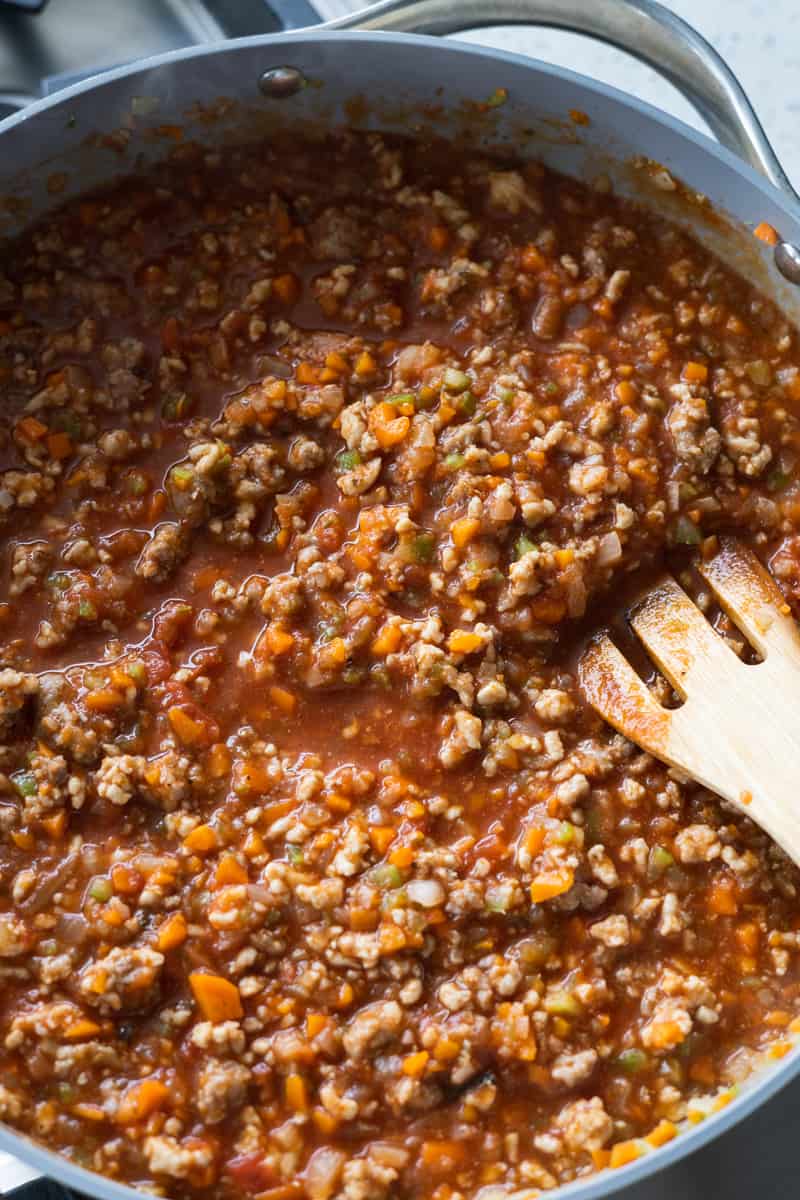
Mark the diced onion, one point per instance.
(609, 551)
(426, 892)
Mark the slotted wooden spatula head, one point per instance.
(738, 728)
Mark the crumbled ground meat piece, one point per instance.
(697, 443)
(221, 1088)
(697, 843)
(585, 1125)
(375, 1024)
(124, 980)
(167, 547)
(166, 1156)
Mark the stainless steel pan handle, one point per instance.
(645, 29)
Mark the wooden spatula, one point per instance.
(738, 729)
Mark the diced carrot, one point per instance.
(464, 530)
(625, 392)
(98, 982)
(337, 362)
(534, 839)
(254, 844)
(338, 803)
(365, 363)
(392, 939)
(190, 730)
(283, 699)
(103, 700)
(218, 999)
(779, 1049)
(82, 1028)
(315, 1023)
(345, 996)
(387, 641)
(446, 1049)
(565, 556)
(113, 917)
(364, 920)
(722, 898)
(296, 1093)
(402, 857)
(500, 460)
(387, 426)
(59, 446)
(767, 233)
(173, 932)
(414, 1064)
(30, 430)
(252, 776)
(89, 1112)
(324, 1122)
(158, 502)
(55, 825)
(695, 372)
(306, 372)
(442, 1155)
(777, 1019)
(229, 871)
(666, 1034)
(664, 1132)
(201, 840)
(548, 884)
(23, 839)
(381, 837)
(624, 1153)
(280, 641)
(286, 288)
(461, 641)
(336, 651)
(141, 1100)
(601, 1158)
(219, 760)
(548, 609)
(127, 880)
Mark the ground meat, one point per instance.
(697, 443)
(124, 980)
(373, 1025)
(317, 873)
(585, 1125)
(221, 1088)
(166, 1156)
(697, 843)
(167, 547)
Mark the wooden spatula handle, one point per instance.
(738, 729)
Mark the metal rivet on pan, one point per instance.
(278, 83)
(787, 260)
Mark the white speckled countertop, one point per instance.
(763, 51)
